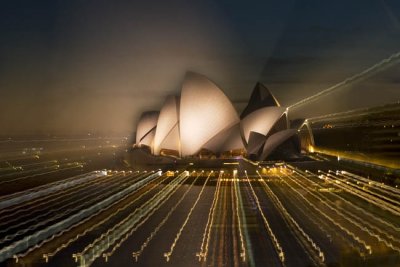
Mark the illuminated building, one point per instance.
(203, 120)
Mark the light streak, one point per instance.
(57, 198)
(22, 167)
(352, 218)
(202, 255)
(52, 169)
(318, 221)
(363, 211)
(382, 188)
(124, 228)
(236, 204)
(52, 165)
(362, 194)
(274, 239)
(344, 229)
(234, 226)
(11, 202)
(382, 65)
(38, 237)
(320, 256)
(48, 255)
(93, 196)
(166, 196)
(221, 221)
(169, 253)
(136, 254)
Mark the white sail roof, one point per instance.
(260, 121)
(204, 112)
(167, 120)
(147, 122)
(275, 140)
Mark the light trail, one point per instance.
(57, 198)
(51, 254)
(20, 167)
(350, 217)
(382, 188)
(123, 228)
(4, 177)
(247, 241)
(13, 176)
(91, 196)
(36, 239)
(356, 184)
(380, 66)
(224, 240)
(234, 227)
(361, 194)
(278, 248)
(307, 211)
(202, 255)
(220, 226)
(354, 113)
(374, 217)
(309, 245)
(331, 207)
(45, 190)
(52, 169)
(356, 238)
(106, 255)
(87, 150)
(52, 140)
(169, 253)
(238, 217)
(48, 255)
(136, 254)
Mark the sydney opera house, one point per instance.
(203, 121)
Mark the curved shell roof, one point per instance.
(275, 140)
(148, 139)
(260, 121)
(234, 140)
(147, 122)
(204, 112)
(167, 120)
(171, 141)
(204, 118)
(226, 140)
(256, 141)
(260, 97)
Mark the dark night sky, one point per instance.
(95, 65)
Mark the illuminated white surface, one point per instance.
(204, 112)
(171, 141)
(260, 121)
(148, 139)
(234, 140)
(147, 122)
(256, 141)
(226, 140)
(167, 120)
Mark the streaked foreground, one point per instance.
(241, 215)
